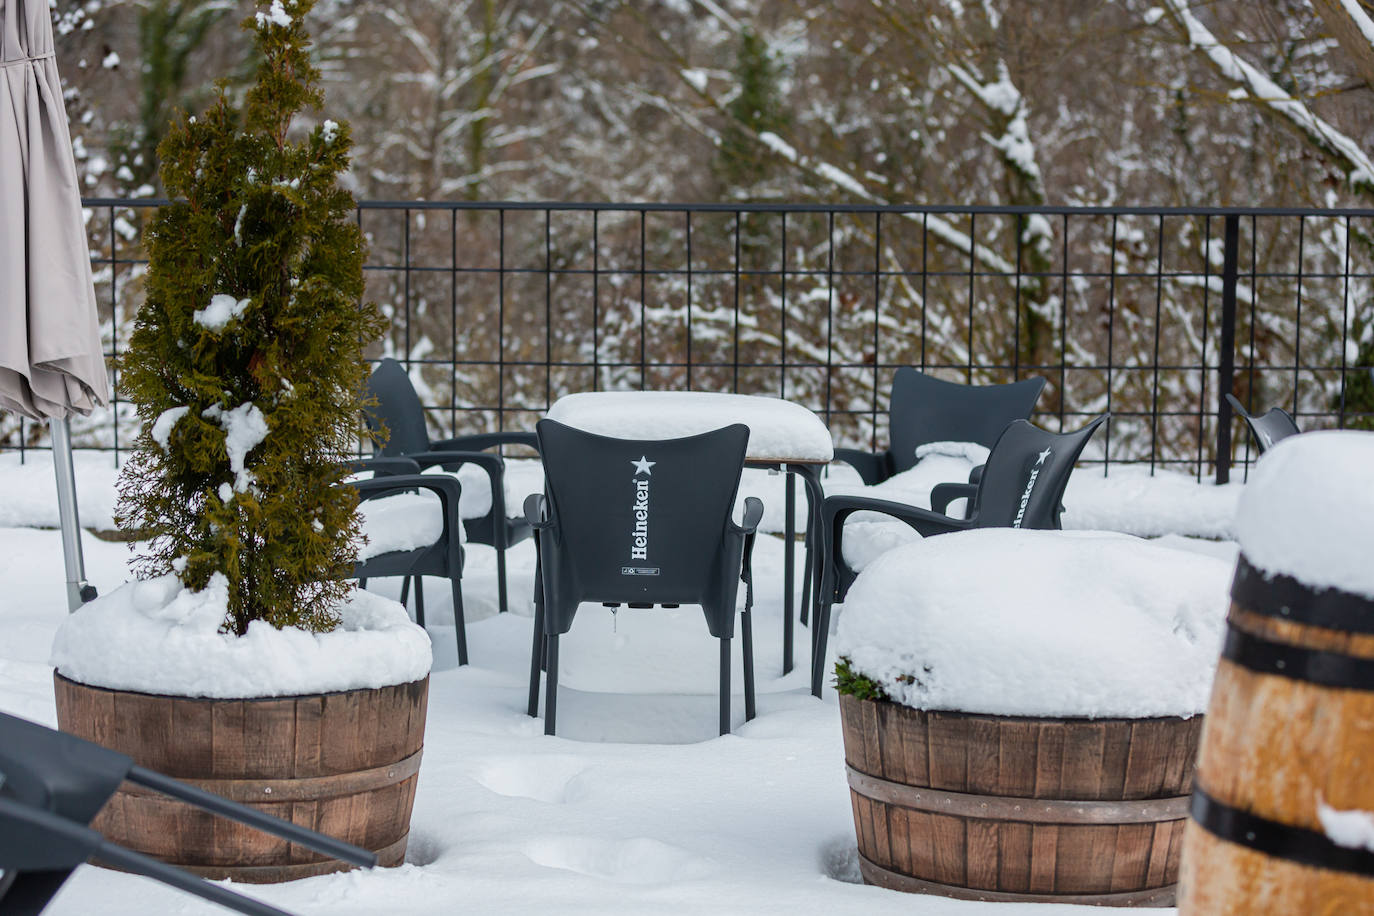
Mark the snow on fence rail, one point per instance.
(498, 309)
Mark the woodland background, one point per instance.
(1047, 103)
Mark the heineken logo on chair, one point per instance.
(1030, 486)
(639, 534)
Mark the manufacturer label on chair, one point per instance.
(639, 570)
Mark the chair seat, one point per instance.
(404, 522)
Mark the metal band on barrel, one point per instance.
(1284, 597)
(1282, 841)
(1327, 669)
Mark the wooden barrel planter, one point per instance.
(1001, 808)
(344, 764)
(1290, 728)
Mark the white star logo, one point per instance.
(642, 465)
(1043, 455)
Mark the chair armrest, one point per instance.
(534, 512)
(975, 475)
(481, 441)
(753, 514)
(383, 467)
(837, 575)
(448, 489)
(942, 494)
(872, 468)
(452, 460)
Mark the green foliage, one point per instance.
(849, 681)
(170, 32)
(756, 108)
(1359, 392)
(261, 219)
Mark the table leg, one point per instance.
(789, 564)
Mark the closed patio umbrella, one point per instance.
(51, 364)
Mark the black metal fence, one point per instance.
(1152, 314)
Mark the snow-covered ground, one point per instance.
(637, 806)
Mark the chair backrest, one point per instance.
(57, 771)
(1267, 428)
(398, 407)
(639, 520)
(1025, 476)
(926, 409)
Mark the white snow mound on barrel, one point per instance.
(1039, 623)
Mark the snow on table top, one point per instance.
(778, 429)
(1039, 623)
(1308, 511)
(157, 637)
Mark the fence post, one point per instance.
(1227, 369)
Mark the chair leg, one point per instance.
(551, 685)
(460, 626)
(405, 591)
(725, 685)
(501, 579)
(420, 601)
(747, 633)
(536, 659)
(362, 583)
(818, 645)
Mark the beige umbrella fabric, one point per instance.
(51, 364)
(50, 356)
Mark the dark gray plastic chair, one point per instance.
(52, 784)
(642, 523)
(443, 558)
(1022, 486)
(1269, 427)
(924, 409)
(398, 409)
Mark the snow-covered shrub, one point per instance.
(246, 360)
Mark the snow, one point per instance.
(1306, 511)
(1266, 92)
(1351, 829)
(637, 806)
(1360, 17)
(222, 309)
(406, 521)
(777, 428)
(157, 636)
(1039, 623)
(275, 15)
(165, 423)
(28, 491)
(244, 429)
(329, 131)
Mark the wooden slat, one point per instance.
(1044, 858)
(950, 840)
(984, 745)
(1049, 760)
(1084, 744)
(983, 851)
(948, 752)
(1014, 857)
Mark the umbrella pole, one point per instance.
(78, 590)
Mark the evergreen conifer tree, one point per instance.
(246, 361)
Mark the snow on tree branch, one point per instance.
(1351, 158)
